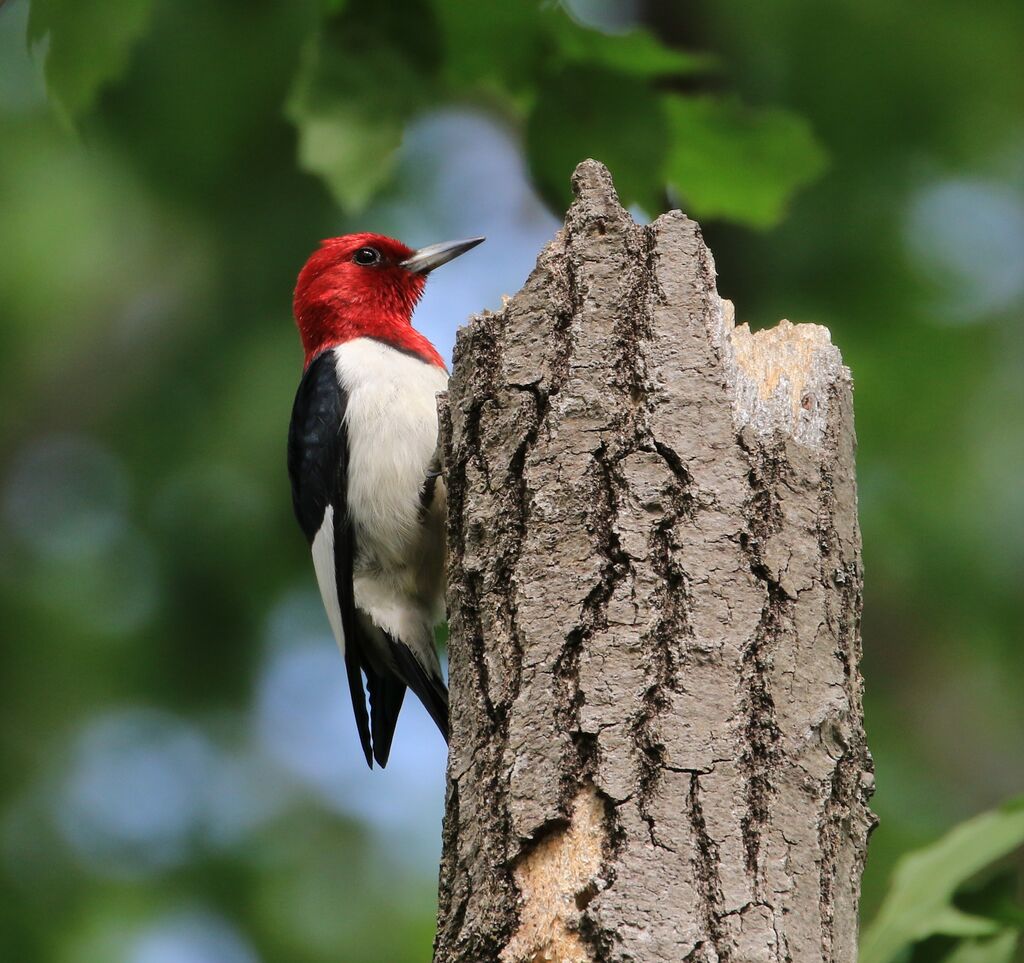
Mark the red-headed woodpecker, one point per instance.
(366, 473)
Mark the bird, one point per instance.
(365, 469)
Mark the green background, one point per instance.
(179, 778)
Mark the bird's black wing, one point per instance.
(318, 469)
(317, 446)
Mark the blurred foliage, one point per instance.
(921, 898)
(367, 70)
(177, 776)
(738, 164)
(90, 43)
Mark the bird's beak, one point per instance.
(427, 258)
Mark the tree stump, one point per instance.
(657, 748)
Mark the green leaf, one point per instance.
(636, 52)
(496, 45)
(90, 45)
(995, 898)
(362, 77)
(593, 112)
(504, 48)
(919, 902)
(949, 921)
(1001, 948)
(736, 163)
(354, 154)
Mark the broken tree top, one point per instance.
(657, 737)
(780, 377)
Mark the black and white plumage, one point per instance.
(362, 458)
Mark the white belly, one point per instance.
(391, 419)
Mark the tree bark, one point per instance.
(657, 748)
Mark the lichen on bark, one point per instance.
(657, 743)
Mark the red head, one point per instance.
(367, 285)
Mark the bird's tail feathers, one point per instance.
(387, 687)
(353, 667)
(429, 687)
(386, 695)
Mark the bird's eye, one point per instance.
(366, 256)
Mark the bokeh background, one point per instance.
(179, 776)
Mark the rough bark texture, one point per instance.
(657, 743)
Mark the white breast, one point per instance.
(391, 420)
